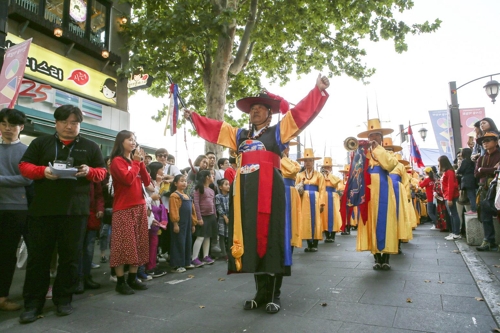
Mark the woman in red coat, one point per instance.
(449, 185)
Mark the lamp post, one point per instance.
(491, 88)
(403, 131)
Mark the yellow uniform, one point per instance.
(330, 218)
(289, 170)
(312, 199)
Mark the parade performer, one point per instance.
(293, 215)
(378, 233)
(257, 227)
(313, 200)
(351, 220)
(330, 218)
(400, 181)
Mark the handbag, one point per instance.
(463, 199)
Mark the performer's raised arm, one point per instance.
(300, 116)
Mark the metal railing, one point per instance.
(28, 5)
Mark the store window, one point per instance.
(98, 24)
(54, 11)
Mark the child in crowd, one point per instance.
(204, 203)
(182, 224)
(222, 205)
(157, 217)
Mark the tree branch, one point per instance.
(240, 59)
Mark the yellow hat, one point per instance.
(427, 169)
(387, 144)
(327, 161)
(400, 159)
(308, 154)
(347, 167)
(375, 127)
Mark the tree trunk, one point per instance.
(216, 96)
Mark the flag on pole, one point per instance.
(173, 109)
(12, 73)
(414, 151)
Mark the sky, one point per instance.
(403, 90)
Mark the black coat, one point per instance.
(466, 171)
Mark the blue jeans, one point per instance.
(104, 236)
(431, 211)
(455, 219)
(471, 194)
(85, 263)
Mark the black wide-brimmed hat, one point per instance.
(246, 103)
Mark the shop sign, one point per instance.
(67, 74)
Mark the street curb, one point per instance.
(486, 281)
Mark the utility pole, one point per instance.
(455, 119)
(4, 8)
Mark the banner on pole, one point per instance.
(12, 73)
(441, 126)
(467, 118)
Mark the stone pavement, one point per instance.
(429, 289)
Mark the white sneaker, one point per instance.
(433, 227)
(113, 278)
(190, 266)
(450, 237)
(180, 270)
(457, 237)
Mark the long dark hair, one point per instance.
(118, 146)
(444, 164)
(200, 180)
(431, 175)
(173, 186)
(153, 169)
(493, 126)
(466, 153)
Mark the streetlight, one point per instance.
(491, 89)
(403, 131)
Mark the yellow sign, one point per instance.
(67, 74)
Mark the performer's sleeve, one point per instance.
(298, 178)
(296, 166)
(302, 114)
(334, 180)
(322, 190)
(174, 205)
(387, 161)
(215, 131)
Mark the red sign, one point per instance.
(467, 119)
(79, 76)
(12, 73)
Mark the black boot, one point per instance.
(378, 261)
(309, 246)
(273, 290)
(314, 245)
(80, 288)
(332, 236)
(385, 262)
(347, 230)
(261, 283)
(329, 238)
(89, 283)
(399, 247)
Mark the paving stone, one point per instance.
(456, 278)
(400, 299)
(442, 321)
(433, 287)
(330, 293)
(334, 264)
(381, 284)
(452, 262)
(285, 323)
(438, 269)
(468, 305)
(357, 328)
(377, 315)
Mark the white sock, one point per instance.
(197, 247)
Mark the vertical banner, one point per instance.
(12, 73)
(467, 118)
(441, 125)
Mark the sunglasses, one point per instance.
(162, 155)
(488, 140)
